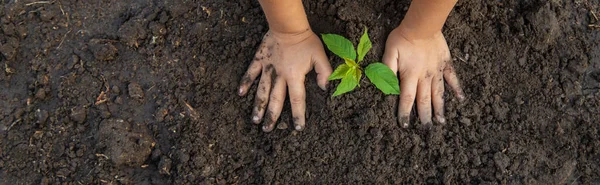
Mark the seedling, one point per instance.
(350, 72)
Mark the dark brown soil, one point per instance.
(144, 92)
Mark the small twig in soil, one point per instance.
(206, 10)
(596, 25)
(63, 39)
(39, 2)
(7, 69)
(65, 14)
(575, 180)
(102, 97)
(108, 40)
(310, 175)
(102, 155)
(32, 11)
(150, 88)
(61, 8)
(13, 124)
(191, 111)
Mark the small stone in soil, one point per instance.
(135, 91)
(115, 89)
(78, 114)
(41, 94)
(133, 32)
(164, 166)
(41, 115)
(282, 125)
(119, 100)
(103, 50)
(465, 121)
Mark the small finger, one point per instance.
(408, 85)
(322, 67)
(424, 99)
(452, 80)
(275, 103)
(390, 58)
(253, 71)
(437, 99)
(262, 95)
(298, 101)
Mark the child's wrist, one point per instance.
(292, 36)
(415, 33)
(289, 29)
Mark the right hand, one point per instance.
(283, 60)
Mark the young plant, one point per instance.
(350, 72)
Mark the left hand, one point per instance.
(423, 64)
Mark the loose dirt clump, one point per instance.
(125, 144)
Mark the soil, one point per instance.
(144, 92)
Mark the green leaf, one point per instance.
(348, 84)
(351, 63)
(357, 75)
(383, 78)
(339, 45)
(364, 46)
(339, 72)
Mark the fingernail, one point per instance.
(441, 119)
(298, 123)
(241, 91)
(267, 128)
(461, 98)
(255, 119)
(403, 121)
(324, 88)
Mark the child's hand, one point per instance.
(422, 64)
(283, 60)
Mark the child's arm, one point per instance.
(289, 51)
(417, 50)
(285, 16)
(426, 18)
